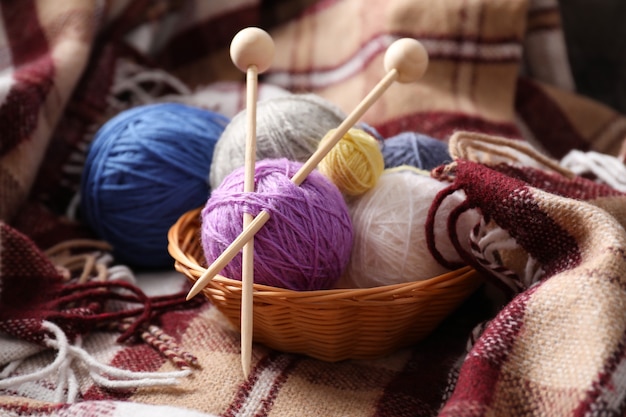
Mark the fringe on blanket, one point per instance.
(91, 294)
(71, 355)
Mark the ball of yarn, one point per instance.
(371, 130)
(305, 244)
(354, 163)
(287, 127)
(416, 150)
(145, 168)
(389, 230)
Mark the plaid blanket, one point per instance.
(82, 335)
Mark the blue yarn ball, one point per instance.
(144, 169)
(371, 130)
(416, 150)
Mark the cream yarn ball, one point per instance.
(389, 230)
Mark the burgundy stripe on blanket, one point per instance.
(546, 120)
(546, 10)
(33, 70)
(143, 358)
(441, 125)
(205, 38)
(578, 188)
(256, 396)
(417, 389)
(482, 368)
(319, 6)
(19, 408)
(508, 201)
(600, 399)
(468, 49)
(54, 185)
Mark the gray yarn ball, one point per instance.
(287, 127)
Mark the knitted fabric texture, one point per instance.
(579, 247)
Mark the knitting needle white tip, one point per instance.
(252, 51)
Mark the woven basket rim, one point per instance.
(193, 270)
(332, 324)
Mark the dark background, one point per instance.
(595, 34)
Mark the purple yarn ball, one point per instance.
(306, 243)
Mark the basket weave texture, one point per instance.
(331, 325)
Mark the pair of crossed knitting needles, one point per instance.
(252, 51)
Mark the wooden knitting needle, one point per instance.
(252, 51)
(405, 61)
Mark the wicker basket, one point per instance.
(330, 325)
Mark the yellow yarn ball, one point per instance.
(355, 163)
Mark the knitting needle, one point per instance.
(252, 51)
(405, 61)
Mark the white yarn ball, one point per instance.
(389, 230)
(288, 127)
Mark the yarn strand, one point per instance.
(430, 226)
(66, 381)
